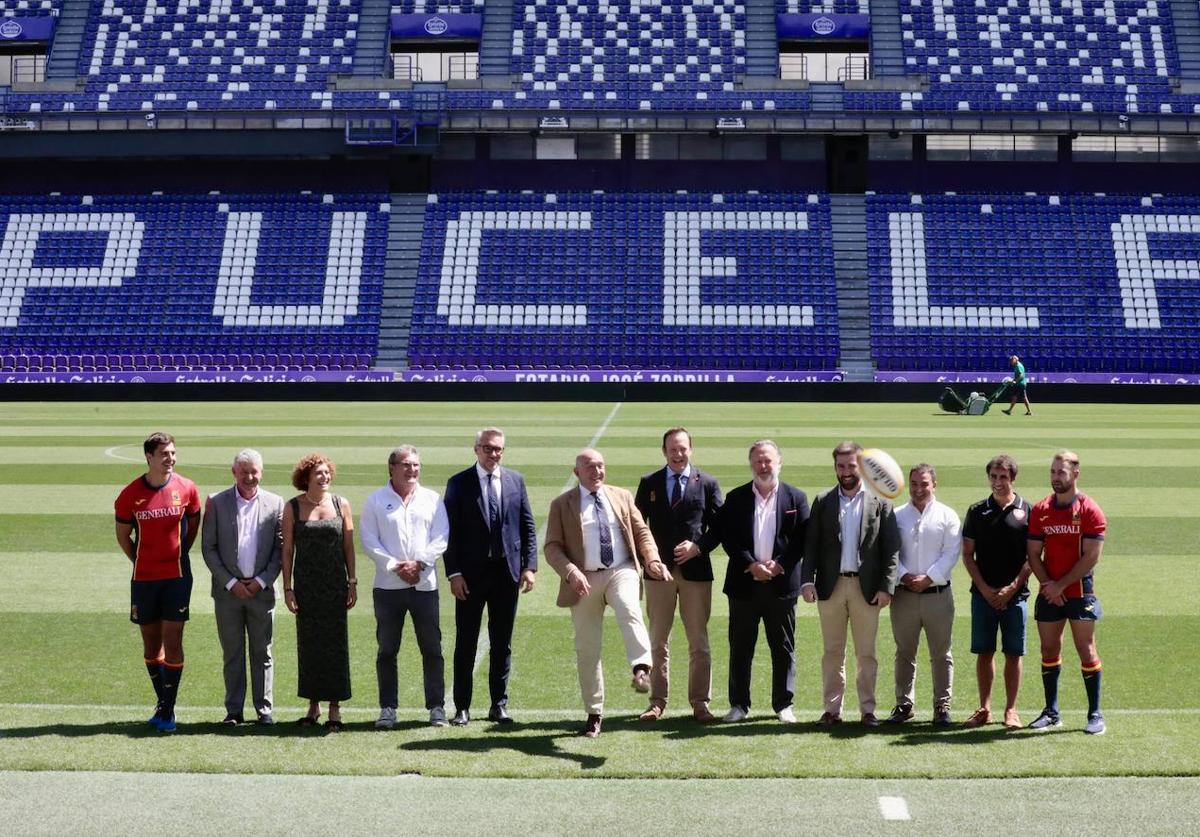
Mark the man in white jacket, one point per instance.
(404, 529)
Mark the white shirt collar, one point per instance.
(483, 475)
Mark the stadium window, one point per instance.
(947, 147)
(435, 63)
(801, 148)
(700, 147)
(1179, 149)
(456, 147)
(890, 148)
(598, 146)
(1093, 149)
(744, 148)
(824, 61)
(1035, 148)
(656, 147)
(22, 64)
(555, 148)
(512, 147)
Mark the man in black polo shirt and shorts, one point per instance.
(993, 551)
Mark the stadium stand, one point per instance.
(607, 280)
(992, 56)
(423, 7)
(1089, 283)
(812, 7)
(629, 55)
(29, 8)
(146, 282)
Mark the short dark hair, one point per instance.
(672, 432)
(848, 447)
(923, 468)
(1002, 460)
(155, 441)
(302, 473)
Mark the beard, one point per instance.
(849, 483)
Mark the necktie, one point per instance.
(606, 553)
(493, 503)
(677, 490)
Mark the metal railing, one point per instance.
(855, 68)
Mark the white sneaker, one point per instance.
(387, 718)
(787, 716)
(1046, 720)
(1095, 724)
(735, 714)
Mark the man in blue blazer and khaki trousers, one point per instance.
(491, 554)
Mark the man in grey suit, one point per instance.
(241, 544)
(851, 549)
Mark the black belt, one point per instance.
(939, 589)
(848, 575)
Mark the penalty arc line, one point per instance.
(111, 453)
(484, 645)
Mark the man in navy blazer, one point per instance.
(680, 504)
(491, 554)
(762, 526)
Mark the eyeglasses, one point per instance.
(491, 449)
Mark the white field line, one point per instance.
(112, 453)
(893, 808)
(544, 712)
(484, 645)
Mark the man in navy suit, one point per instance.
(680, 503)
(490, 556)
(762, 526)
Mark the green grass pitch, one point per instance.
(74, 695)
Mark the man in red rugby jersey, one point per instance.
(158, 518)
(1066, 535)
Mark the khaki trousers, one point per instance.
(695, 606)
(847, 605)
(935, 613)
(619, 589)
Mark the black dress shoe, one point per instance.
(591, 729)
(499, 715)
(461, 718)
(265, 720)
(233, 719)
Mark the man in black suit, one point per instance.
(849, 569)
(491, 554)
(762, 527)
(680, 503)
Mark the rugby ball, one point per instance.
(880, 473)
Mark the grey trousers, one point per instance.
(242, 623)
(391, 606)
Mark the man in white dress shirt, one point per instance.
(404, 530)
(930, 543)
